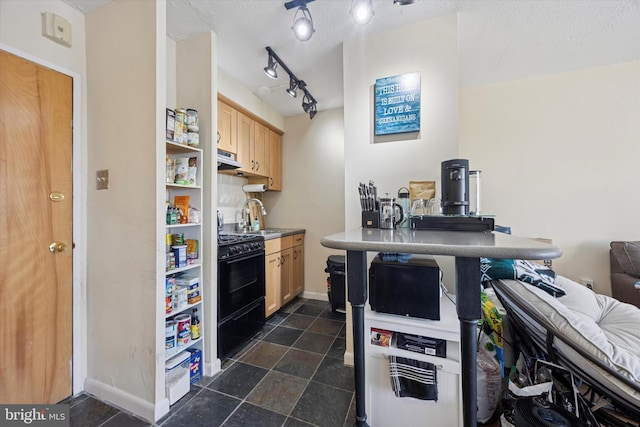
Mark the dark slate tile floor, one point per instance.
(291, 374)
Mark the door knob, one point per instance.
(57, 247)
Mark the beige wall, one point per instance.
(560, 158)
(21, 28)
(312, 194)
(430, 48)
(125, 93)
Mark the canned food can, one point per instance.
(183, 329)
(170, 334)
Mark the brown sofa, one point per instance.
(625, 271)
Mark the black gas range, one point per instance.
(233, 245)
(241, 289)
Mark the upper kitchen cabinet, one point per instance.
(273, 156)
(258, 146)
(275, 161)
(227, 128)
(246, 144)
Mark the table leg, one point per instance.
(469, 311)
(357, 294)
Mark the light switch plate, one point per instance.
(102, 179)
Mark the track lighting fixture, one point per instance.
(270, 69)
(302, 25)
(362, 11)
(404, 2)
(295, 84)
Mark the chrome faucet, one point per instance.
(245, 209)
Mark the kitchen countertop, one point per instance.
(431, 242)
(276, 233)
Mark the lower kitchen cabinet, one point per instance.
(284, 271)
(298, 264)
(272, 283)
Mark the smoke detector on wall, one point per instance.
(56, 28)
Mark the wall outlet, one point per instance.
(587, 282)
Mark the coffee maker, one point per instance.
(455, 187)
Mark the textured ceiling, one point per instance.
(498, 40)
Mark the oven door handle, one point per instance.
(244, 258)
(246, 310)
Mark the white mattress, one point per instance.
(606, 330)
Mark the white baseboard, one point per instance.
(210, 369)
(315, 295)
(127, 401)
(348, 358)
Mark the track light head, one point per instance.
(293, 86)
(362, 11)
(404, 2)
(307, 104)
(270, 69)
(313, 112)
(303, 25)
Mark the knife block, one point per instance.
(370, 219)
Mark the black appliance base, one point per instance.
(238, 328)
(452, 223)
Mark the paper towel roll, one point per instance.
(254, 188)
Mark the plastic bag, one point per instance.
(493, 317)
(489, 388)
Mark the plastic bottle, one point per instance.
(195, 325)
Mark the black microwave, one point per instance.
(410, 288)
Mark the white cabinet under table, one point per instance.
(385, 409)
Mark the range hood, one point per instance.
(227, 161)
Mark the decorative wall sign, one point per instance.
(398, 104)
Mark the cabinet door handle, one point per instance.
(257, 166)
(295, 254)
(219, 137)
(279, 264)
(253, 165)
(271, 182)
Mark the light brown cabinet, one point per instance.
(275, 162)
(298, 264)
(260, 148)
(227, 128)
(284, 271)
(273, 159)
(257, 146)
(272, 283)
(252, 146)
